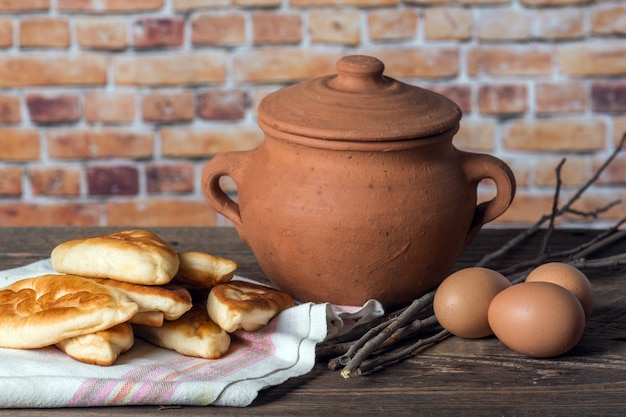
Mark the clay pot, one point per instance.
(357, 191)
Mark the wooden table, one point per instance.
(456, 377)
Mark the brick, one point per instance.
(608, 96)
(418, 62)
(460, 94)
(166, 69)
(619, 127)
(229, 104)
(343, 3)
(430, 3)
(112, 180)
(561, 97)
(335, 27)
(191, 5)
(60, 70)
(180, 142)
(392, 24)
(168, 107)
(609, 19)
(476, 136)
(574, 172)
(10, 109)
(153, 32)
(21, 214)
(504, 25)
(527, 208)
(57, 108)
(109, 107)
(614, 173)
(6, 33)
(160, 212)
(219, 29)
(516, 60)
(469, 2)
(54, 181)
(256, 3)
(534, 3)
(503, 99)
(556, 135)
(89, 144)
(606, 58)
(7, 6)
(109, 6)
(282, 64)
(44, 33)
(276, 27)
(170, 178)
(19, 144)
(448, 23)
(559, 24)
(97, 33)
(10, 181)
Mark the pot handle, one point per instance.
(228, 164)
(477, 167)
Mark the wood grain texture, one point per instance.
(456, 377)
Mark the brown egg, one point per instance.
(568, 277)
(538, 319)
(462, 300)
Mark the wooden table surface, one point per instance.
(455, 377)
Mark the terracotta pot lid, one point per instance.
(359, 103)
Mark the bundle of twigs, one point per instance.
(405, 333)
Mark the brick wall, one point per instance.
(110, 108)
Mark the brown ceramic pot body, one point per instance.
(344, 221)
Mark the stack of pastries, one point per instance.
(110, 288)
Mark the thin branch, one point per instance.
(606, 262)
(555, 208)
(601, 241)
(595, 213)
(373, 344)
(411, 329)
(400, 355)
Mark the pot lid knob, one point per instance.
(359, 73)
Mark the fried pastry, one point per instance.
(100, 348)
(148, 318)
(136, 256)
(193, 334)
(171, 300)
(243, 305)
(42, 311)
(199, 270)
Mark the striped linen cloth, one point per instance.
(148, 375)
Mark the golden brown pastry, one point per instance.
(136, 256)
(193, 334)
(42, 311)
(243, 305)
(148, 318)
(100, 348)
(170, 300)
(199, 270)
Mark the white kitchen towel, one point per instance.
(146, 374)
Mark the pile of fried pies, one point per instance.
(111, 288)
